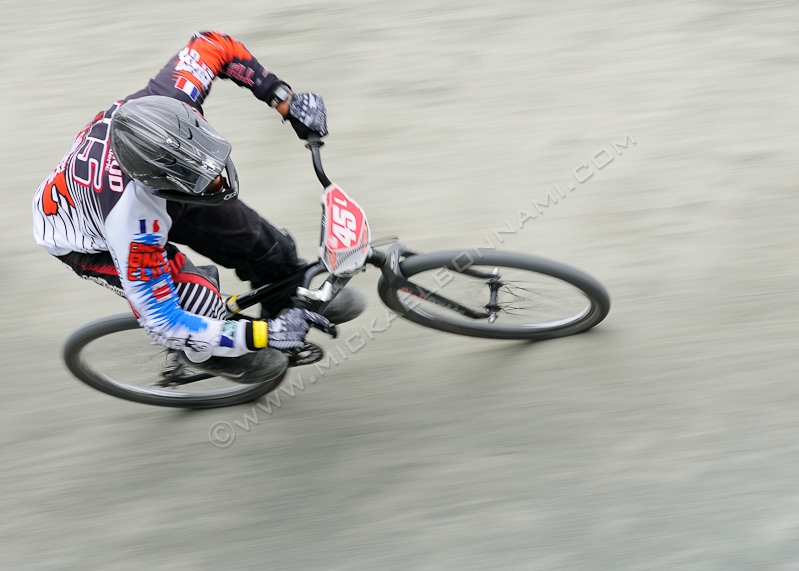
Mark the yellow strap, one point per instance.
(260, 337)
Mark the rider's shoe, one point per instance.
(346, 306)
(260, 366)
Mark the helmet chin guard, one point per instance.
(229, 191)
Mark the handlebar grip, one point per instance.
(314, 139)
(314, 144)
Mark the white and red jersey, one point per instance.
(89, 205)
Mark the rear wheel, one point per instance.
(114, 355)
(498, 295)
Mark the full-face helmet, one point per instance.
(169, 147)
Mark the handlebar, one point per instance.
(314, 144)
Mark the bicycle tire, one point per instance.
(597, 300)
(75, 357)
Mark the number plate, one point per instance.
(345, 232)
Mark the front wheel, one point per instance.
(115, 356)
(497, 295)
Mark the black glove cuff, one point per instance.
(278, 94)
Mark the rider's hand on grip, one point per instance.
(307, 114)
(289, 330)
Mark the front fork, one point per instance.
(390, 266)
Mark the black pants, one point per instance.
(232, 235)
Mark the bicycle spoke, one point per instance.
(521, 297)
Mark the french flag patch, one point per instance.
(188, 88)
(162, 291)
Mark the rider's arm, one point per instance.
(136, 231)
(208, 55)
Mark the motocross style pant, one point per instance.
(231, 234)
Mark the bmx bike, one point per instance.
(475, 292)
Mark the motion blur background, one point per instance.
(666, 438)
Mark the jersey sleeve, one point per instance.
(208, 55)
(136, 234)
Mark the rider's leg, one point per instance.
(198, 292)
(98, 268)
(235, 236)
(197, 288)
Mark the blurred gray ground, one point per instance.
(667, 438)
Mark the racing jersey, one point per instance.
(88, 204)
